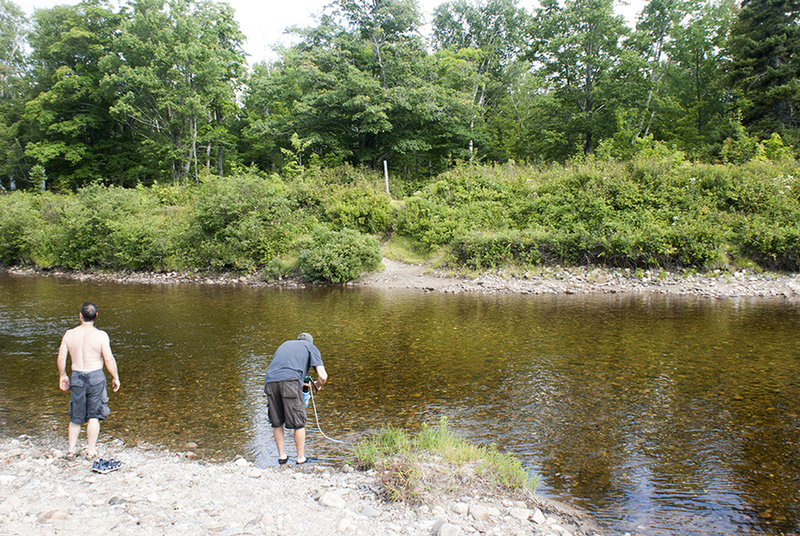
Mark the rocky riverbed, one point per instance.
(157, 492)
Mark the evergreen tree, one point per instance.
(764, 69)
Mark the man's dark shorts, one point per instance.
(286, 406)
(89, 397)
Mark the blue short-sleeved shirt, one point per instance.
(292, 360)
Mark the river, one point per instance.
(656, 415)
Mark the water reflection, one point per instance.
(677, 415)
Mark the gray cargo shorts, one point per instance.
(88, 397)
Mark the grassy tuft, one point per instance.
(436, 461)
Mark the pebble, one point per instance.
(460, 508)
(53, 514)
(449, 529)
(519, 513)
(478, 511)
(370, 511)
(332, 500)
(538, 517)
(346, 525)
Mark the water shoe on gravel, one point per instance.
(105, 466)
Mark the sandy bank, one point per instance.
(158, 492)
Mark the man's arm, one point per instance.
(111, 363)
(322, 377)
(61, 362)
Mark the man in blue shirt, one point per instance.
(284, 388)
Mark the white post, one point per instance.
(386, 176)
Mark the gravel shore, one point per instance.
(587, 280)
(157, 492)
(546, 280)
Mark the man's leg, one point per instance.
(92, 431)
(74, 432)
(277, 433)
(300, 443)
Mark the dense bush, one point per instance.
(657, 210)
(18, 223)
(242, 222)
(338, 256)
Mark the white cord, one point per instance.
(316, 416)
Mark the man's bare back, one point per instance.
(86, 344)
(89, 348)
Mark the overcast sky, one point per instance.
(264, 22)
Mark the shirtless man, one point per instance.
(89, 349)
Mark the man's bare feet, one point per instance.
(90, 454)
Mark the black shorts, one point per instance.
(89, 396)
(286, 406)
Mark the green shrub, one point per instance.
(241, 223)
(338, 256)
(18, 222)
(360, 208)
(427, 221)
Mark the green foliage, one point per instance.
(338, 256)
(658, 210)
(17, 228)
(241, 222)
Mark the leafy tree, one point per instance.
(13, 87)
(359, 88)
(764, 68)
(488, 34)
(657, 25)
(72, 135)
(577, 46)
(174, 77)
(695, 116)
(383, 24)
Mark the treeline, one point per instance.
(657, 210)
(159, 91)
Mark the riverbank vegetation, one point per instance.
(436, 460)
(656, 210)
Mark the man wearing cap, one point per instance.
(283, 386)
